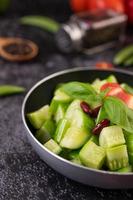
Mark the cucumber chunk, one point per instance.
(61, 129)
(111, 136)
(60, 113)
(130, 158)
(38, 117)
(92, 155)
(77, 117)
(61, 96)
(129, 141)
(117, 157)
(53, 146)
(97, 84)
(46, 131)
(74, 138)
(74, 157)
(112, 79)
(125, 169)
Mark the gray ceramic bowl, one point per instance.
(41, 94)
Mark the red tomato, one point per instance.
(110, 86)
(78, 5)
(117, 5)
(129, 9)
(104, 65)
(96, 4)
(117, 91)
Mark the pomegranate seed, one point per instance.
(98, 128)
(85, 107)
(95, 112)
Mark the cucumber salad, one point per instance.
(90, 124)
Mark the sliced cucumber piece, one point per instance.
(62, 96)
(46, 131)
(77, 117)
(38, 117)
(92, 155)
(62, 127)
(112, 79)
(53, 146)
(74, 138)
(97, 84)
(74, 157)
(111, 136)
(76, 161)
(125, 169)
(130, 154)
(117, 157)
(101, 115)
(74, 154)
(60, 113)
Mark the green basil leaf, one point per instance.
(118, 113)
(82, 91)
(77, 89)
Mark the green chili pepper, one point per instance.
(43, 22)
(123, 55)
(6, 90)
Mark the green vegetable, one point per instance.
(74, 138)
(46, 132)
(125, 169)
(101, 115)
(95, 139)
(127, 88)
(111, 136)
(6, 90)
(129, 61)
(38, 117)
(43, 22)
(118, 113)
(92, 155)
(112, 79)
(82, 91)
(77, 117)
(74, 157)
(53, 146)
(123, 55)
(62, 127)
(60, 112)
(117, 157)
(4, 5)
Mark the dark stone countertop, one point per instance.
(23, 175)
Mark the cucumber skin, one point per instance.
(77, 117)
(53, 146)
(74, 138)
(125, 169)
(92, 155)
(38, 117)
(61, 129)
(46, 132)
(122, 55)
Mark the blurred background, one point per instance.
(12, 24)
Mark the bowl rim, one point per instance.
(56, 74)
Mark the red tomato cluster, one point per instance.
(117, 91)
(123, 6)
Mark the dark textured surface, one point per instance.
(23, 176)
